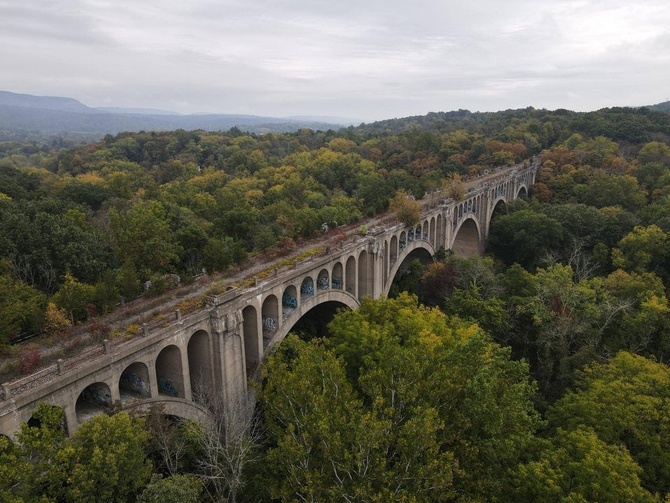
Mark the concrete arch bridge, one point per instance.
(219, 347)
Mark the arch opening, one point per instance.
(322, 280)
(134, 382)
(499, 209)
(94, 399)
(289, 301)
(337, 276)
(467, 242)
(522, 193)
(252, 352)
(306, 288)
(393, 251)
(408, 275)
(200, 362)
(169, 372)
(314, 323)
(270, 314)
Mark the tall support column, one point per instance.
(449, 227)
(186, 373)
(489, 195)
(217, 327)
(71, 417)
(234, 365)
(153, 378)
(377, 268)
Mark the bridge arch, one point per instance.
(393, 250)
(252, 350)
(323, 280)
(170, 406)
(467, 237)
(350, 278)
(94, 399)
(336, 276)
(200, 361)
(169, 372)
(270, 317)
(522, 192)
(412, 247)
(346, 299)
(134, 382)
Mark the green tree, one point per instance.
(74, 297)
(626, 402)
(142, 235)
(173, 489)
(12, 466)
(21, 308)
(406, 209)
(34, 467)
(643, 249)
(524, 237)
(106, 461)
(576, 466)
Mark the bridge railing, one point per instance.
(10, 390)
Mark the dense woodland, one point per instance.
(535, 373)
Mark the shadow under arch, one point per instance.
(345, 299)
(522, 192)
(411, 247)
(467, 238)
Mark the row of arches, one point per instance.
(171, 375)
(430, 230)
(261, 322)
(470, 206)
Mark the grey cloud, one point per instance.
(372, 59)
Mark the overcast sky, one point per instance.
(365, 59)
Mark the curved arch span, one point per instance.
(424, 245)
(495, 203)
(344, 298)
(522, 192)
(180, 407)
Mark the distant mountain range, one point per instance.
(50, 114)
(661, 107)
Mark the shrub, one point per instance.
(29, 359)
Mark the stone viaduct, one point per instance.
(221, 346)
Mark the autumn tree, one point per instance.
(405, 208)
